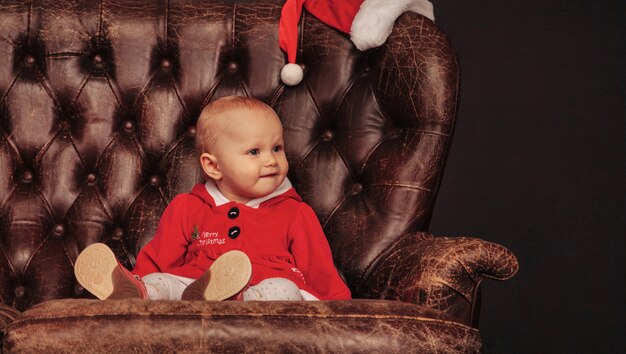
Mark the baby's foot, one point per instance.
(227, 276)
(98, 271)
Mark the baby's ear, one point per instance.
(210, 167)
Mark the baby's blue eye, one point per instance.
(277, 148)
(253, 152)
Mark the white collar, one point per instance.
(220, 199)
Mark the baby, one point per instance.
(245, 234)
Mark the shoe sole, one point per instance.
(230, 273)
(94, 270)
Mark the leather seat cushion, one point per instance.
(79, 325)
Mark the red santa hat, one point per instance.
(369, 23)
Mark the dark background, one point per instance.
(538, 164)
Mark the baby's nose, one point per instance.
(271, 160)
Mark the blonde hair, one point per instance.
(206, 132)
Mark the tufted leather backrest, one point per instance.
(98, 102)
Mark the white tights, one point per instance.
(164, 286)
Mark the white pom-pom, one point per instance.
(291, 74)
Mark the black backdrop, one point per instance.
(538, 164)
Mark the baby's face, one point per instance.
(250, 155)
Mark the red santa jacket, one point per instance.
(282, 237)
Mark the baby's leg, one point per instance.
(164, 286)
(273, 289)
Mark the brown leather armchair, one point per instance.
(98, 102)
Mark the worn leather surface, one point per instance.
(359, 326)
(439, 272)
(7, 315)
(98, 104)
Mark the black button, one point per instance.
(233, 213)
(234, 232)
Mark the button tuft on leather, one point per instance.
(166, 64)
(98, 61)
(397, 131)
(233, 66)
(27, 177)
(64, 125)
(357, 188)
(59, 230)
(234, 232)
(192, 131)
(233, 213)
(129, 126)
(20, 291)
(155, 180)
(367, 69)
(118, 233)
(328, 135)
(29, 60)
(91, 178)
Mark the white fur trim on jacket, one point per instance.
(375, 19)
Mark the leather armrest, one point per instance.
(7, 315)
(439, 272)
